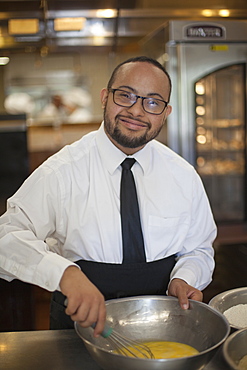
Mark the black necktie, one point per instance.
(133, 245)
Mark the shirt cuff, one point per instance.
(185, 274)
(50, 271)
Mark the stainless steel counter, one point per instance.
(56, 350)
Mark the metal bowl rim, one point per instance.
(161, 298)
(226, 345)
(223, 295)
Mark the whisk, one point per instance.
(121, 344)
(125, 346)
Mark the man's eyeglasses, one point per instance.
(127, 99)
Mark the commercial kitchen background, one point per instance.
(53, 51)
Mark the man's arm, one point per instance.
(24, 227)
(85, 302)
(195, 262)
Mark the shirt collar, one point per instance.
(112, 157)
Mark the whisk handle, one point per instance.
(107, 329)
(106, 332)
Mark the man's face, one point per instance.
(131, 128)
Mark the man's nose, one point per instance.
(137, 107)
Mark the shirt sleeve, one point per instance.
(31, 217)
(195, 262)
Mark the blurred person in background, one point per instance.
(72, 106)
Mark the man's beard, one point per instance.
(126, 141)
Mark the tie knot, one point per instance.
(128, 163)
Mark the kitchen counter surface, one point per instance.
(56, 350)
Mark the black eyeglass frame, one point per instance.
(137, 97)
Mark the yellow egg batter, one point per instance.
(166, 349)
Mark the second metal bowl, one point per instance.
(228, 299)
(235, 348)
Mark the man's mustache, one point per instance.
(134, 119)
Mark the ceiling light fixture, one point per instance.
(224, 12)
(98, 41)
(207, 12)
(106, 13)
(4, 61)
(23, 26)
(97, 29)
(69, 24)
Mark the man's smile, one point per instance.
(132, 124)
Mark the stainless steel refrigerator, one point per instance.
(207, 64)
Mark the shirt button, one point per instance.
(14, 269)
(47, 284)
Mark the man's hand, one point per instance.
(180, 289)
(85, 302)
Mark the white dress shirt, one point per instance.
(68, 209)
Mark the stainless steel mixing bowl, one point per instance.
(228, 299)
(155, 318)
(235, 348)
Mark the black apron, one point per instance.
(117, 281)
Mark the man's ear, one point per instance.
(103, 97)
(168, 111)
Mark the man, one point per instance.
(69, 210)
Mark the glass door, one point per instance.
(220, 140)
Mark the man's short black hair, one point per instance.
(139, 59)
